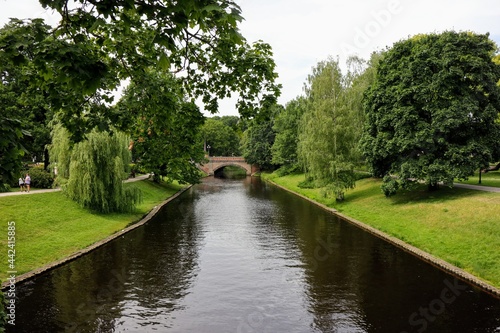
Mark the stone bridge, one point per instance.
(216, 163)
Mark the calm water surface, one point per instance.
(243, 256)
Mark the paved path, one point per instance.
(5, 194)
(477, 187)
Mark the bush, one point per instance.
(358, 175)
(40, 178)
(308, 183)
(390, 186)
(288, 169)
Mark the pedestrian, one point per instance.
(27, 182)
(21, 184)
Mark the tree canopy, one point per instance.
(164, 127)
(258, 139)
(220, 137)
(432, 111)
(286, 126)
(331, 127)
(98, 45)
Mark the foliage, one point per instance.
(221, 138)
(389, 186)
(164, 127)
(97, 45)
(431, 112)
(11, 151)
(331, 126)
(286, 126)
(258, 139)
(76, 65)
(60, 151)
(40, 178)
(95, 170)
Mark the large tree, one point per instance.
(99, 44)
(331, 127)
(431, 112)
(164, 127)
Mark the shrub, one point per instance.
(40, 178)
(308, 183)
(389, 186)
(358, 175)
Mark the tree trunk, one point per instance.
(433, 186)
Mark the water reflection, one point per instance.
(243, 256)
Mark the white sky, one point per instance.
(303, 32)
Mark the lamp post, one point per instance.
(208, 148)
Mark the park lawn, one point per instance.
(459, 226)
(491, 178)
(49, 226)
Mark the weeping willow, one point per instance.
(60, 152)
(96, 169)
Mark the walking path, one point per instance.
(5, 194)
(477, 187)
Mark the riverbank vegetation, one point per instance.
(50, 226)
(457, 225)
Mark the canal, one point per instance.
(244, 256)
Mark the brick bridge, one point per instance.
(216, 163)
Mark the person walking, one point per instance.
(27, 181)
(21, 184)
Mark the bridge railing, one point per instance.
(226, 159)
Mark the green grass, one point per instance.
(50, 226)
(459, 226)
(491, 178)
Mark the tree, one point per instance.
(164, 127)
(332, 125)
(432, 109)
(99, 44)
(221, 138)
(286, 126)
(96, 169)
(258, 139)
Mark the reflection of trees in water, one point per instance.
(145, 272)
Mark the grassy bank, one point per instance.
(50, 226)
(459, 226)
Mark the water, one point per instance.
(243, 256)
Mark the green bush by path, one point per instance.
(50, 226)
(459, 226)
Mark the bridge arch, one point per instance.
(216, 163)
(247, 168)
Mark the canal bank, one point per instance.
(54, 223)
(414, 250)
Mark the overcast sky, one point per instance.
(303, 32)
